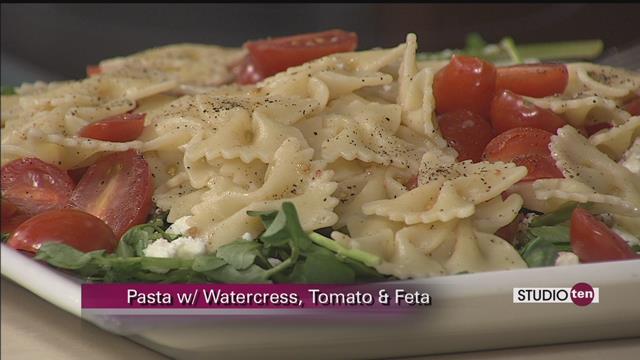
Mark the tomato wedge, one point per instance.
(466, 83)
(509, 111)
(466, 132)
(527, 147)
(534, 80)
(33, 186)
(11, 217)
(83, 231)
(246, 72)
(119, 128)
(93, 70)
(272, 56)
(593, 241)
(633, 107)
(116, 189)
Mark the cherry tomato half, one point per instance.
(11, 217)
(466, 83)
(119, 128)
(633, 107)
(535, 80)
(509, 111)
(246, 72)
(116, 189)
(593, 241)
(34, 186)
(76, 228)
(466, 132)
(272, 56)
(527, 147)
(93, 70)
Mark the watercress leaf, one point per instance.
(65, 256)
(561, 215)
(554, 234)
(7, 90)
(240, 254)
(475, 44)
(5, 236)
(276, 232)
(203, 263)
(163, 265)
(298, 236)
(539, 253)
(228, 274)
(266, 217)
(323, 269)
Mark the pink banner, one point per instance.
(368, 297)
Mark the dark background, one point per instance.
(51, 41)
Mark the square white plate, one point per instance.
(469, 312)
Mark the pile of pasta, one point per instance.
(340, 137)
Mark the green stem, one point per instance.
(510, 47)
(355, 254)
(285, 264)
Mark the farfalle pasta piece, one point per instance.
(448, 190)
(590, 176)
(606, 81)
(615, 141)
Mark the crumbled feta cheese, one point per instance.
(185, 247)
(274, 261)
(160, 248)
(566, 258)
(180, 226)
(631, 158)
(189, 247)
(247, 236)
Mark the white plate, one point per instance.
(469, 312)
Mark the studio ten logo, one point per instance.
(581, 294)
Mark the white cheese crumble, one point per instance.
(247, 236)
(566, 258)
(629, 238)
(184, 247)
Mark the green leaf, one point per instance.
(65, 256)
(5, 236)
(205, 263)
(276, 233)
(554, 234)
(323, 269)
(556, 217)
(240, 254)
(355, 254)
(228, 274)
(267, 217)
(298, 237)
(538, 253)
(136, 239)
(475, 44)
(8, 90)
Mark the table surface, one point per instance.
(34, 329)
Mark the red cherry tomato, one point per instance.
(34, 186)
(272, 56)
(592, 129)
(527, 147)
(593, 241)
(509, 111)
(76, 174)
(412, 183)
(119, 128)
(83, 231)
(116, 189)
(509, 231)
(633, 107)
(93, 70)
(466, 83)
(466, 132)
(246, 72)
(535, 80)
(11, 217)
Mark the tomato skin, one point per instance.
(592, 129)
(509, 111)
(466, 132)
(76, 228)
(271, 56)
(509, 231)
(11, 217)
(633, 107)
(246, 73)
(593, 241)
(534, 80)
(117, 189)
(119, 128)
(34, 186)
(527, 147)
(93, 70)
(466, 83)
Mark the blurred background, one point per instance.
(52, 41)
